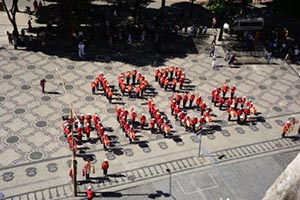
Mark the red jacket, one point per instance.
(105, 165)
(89, 194)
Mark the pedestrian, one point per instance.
(35, 5)
(213, 63)
(185, 99)
(212, 50)
(232, 91)
(105, 166)
(15, 36)
(133, 73)
(93, 87)
(293, 124)
(204, 30)
(29, 25)
(9, 37)
(214, 37)
(231, 59)
(43, 84)
(152, 125)
(71, 173)
(81, 49)
(191, 99)
(143, 36)
(1, 196)
(105, 141)
(269, 57)
(214, 22)
(142, 121)
(89, 193)
(284, 130)
(129, 40)
(86, 171)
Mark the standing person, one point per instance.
(142, 121)
(214, 22)
(232, 91)
(212, 51)
(269, 57)
(284, 129)
(129, 40)
(93, 86)
(86, 171)
(293, 124)
(231, 59)
(43, 84)
(35, 5)
(105, 166)
(213, 63)
(225, 89)
(215, 37)
(191, 99)
(89, 193)
(81, 49)
(29, 25)
(1, 196)
(15, 35)
(185, 99)
(10, 37)
(71, 173)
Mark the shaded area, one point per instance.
(105, 29)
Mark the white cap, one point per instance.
(105, 159)
(90, 187)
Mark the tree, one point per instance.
(289, 8)
(11, 13)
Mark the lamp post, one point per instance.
(74, 162)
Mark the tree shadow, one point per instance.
(117, 151)
(87, 157)
(105, 35)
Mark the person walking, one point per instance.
(43, 84)
(89, 193)
(105, 166)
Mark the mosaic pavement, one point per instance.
(33, 146)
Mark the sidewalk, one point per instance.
(34, 150)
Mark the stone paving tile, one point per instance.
(37, 131)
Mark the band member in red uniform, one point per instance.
(191, 99)
(232, 91)
(142, 121)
